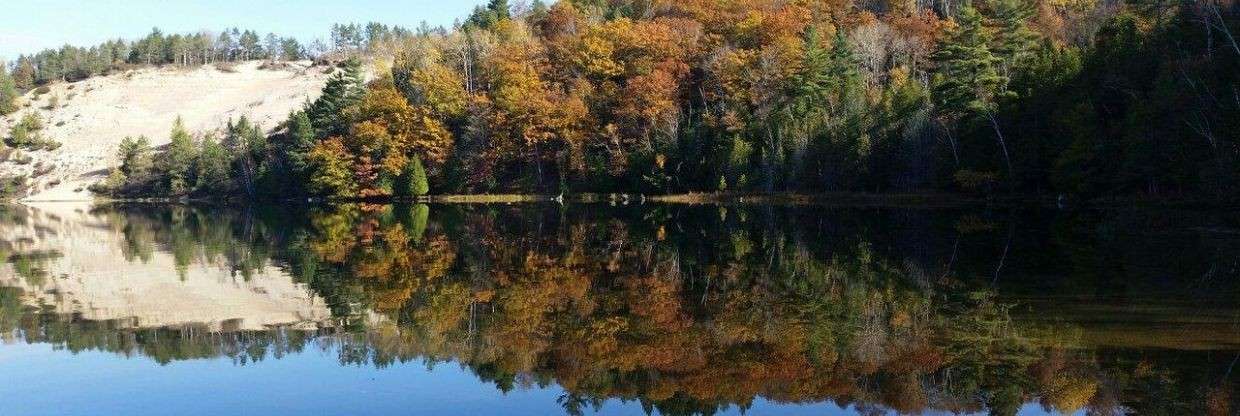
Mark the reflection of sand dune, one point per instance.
(83, 272)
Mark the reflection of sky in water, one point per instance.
(50, 382)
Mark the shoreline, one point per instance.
(850, 199)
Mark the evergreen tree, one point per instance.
(968, 82)
(8, 91)
(412, 180)
(301, 139)
(290, 49)
(211, 168)
(247, 148)
(341, 91)
(249, 44)
(115, 183)
(135, 157)
(376, 34)
(177, 162)
(825, 111)
(150, 50)
(1016, 41)
(500, 8)
(226, 44)
(273, 48)
(487, 17)
(24, 74)
(538, 10)
(968, 79)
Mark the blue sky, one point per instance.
(28, 26)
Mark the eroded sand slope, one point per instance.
(93, 115)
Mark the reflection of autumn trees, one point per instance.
(386, 253)
(683, 310)
(690, 315)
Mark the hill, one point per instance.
(92, 116)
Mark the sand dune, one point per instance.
(93, 115)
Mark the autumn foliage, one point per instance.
(806, 96)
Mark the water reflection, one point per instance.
(685, 310)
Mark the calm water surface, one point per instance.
(594, 309)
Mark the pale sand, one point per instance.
(96, 113)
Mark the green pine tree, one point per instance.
(968, 82)
(1015, 42)
(826, 111)
(412, 180)
(135, 157)
(24, 74)
(8, 91)
(341, 91)
(246, 146)
(538, 10)
(301, 139)
(487, 17)
(211, 167)
(177, 162)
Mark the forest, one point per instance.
(1085, 99)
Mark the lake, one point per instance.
(543, 309)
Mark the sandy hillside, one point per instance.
(95, 114)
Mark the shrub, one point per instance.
(41, 169)
(53, 102)
(21, 158)
(12, 186)
(273, 66)
(412, 181)
(226, 67)
(25, 132)
(112, 186)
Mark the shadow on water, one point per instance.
(684, 309)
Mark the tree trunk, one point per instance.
(772, 148)
(1002, 144)
(952, 141)
(1222, 26)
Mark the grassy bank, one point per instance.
(486, 199)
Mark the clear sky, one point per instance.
(27, 26)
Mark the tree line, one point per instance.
(1085, 98)
(72, 63)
